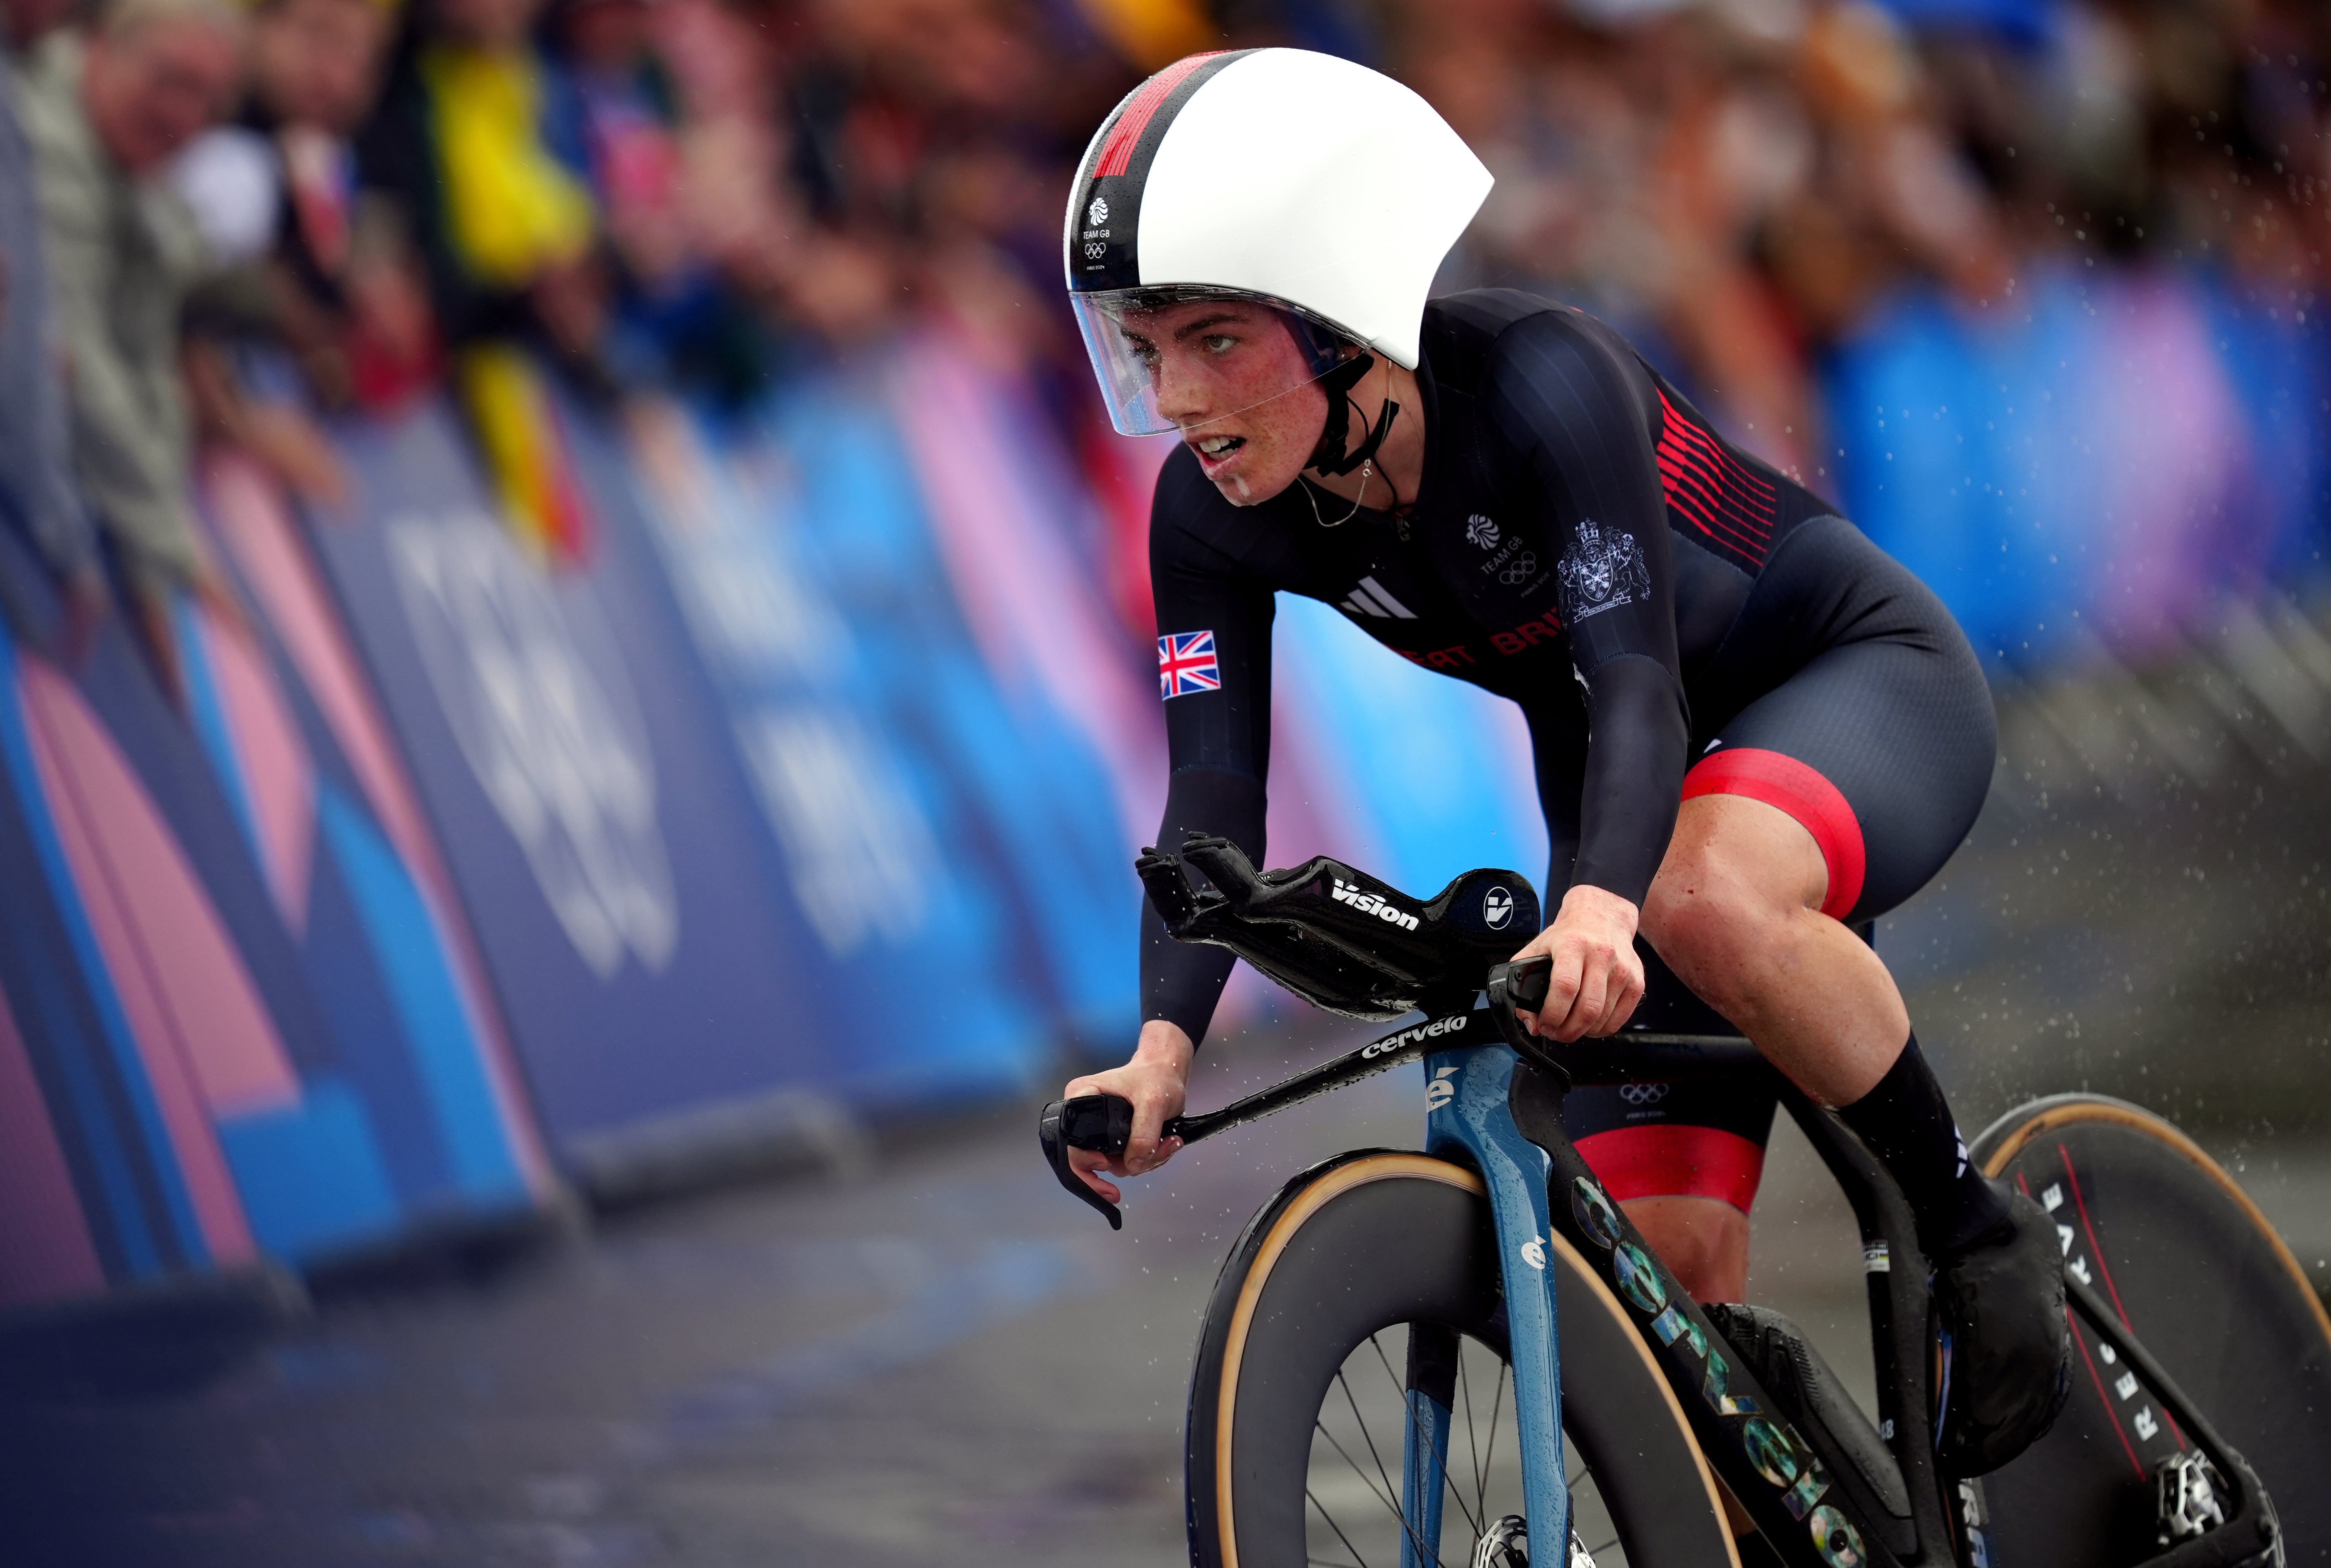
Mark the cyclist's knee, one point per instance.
(1703, 1241)
(1712, 925)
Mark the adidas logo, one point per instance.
(1371, 599)
(1371, 904)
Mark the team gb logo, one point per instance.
(1099, 211)
(1481, 532)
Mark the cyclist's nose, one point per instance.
(1184, 394)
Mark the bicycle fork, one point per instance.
(1466, 1103)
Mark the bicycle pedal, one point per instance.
(1506, 1544)
(2189, 1496)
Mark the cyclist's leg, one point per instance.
(1827, 798)
(1683, 1158)
(1831, 797)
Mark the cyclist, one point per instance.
(1751, 727)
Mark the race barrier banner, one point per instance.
(181, 1095)
(703, 789)
(593, 819)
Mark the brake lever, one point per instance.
(1511, 987)
(1102, 1123)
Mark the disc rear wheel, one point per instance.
(2166, 1236)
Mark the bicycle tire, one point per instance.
(2194, 1268)
(1378, 1239)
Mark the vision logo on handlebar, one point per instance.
(1375, 903)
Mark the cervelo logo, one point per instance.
(1415, 1032)
(1776, 1450)
(1371, 904)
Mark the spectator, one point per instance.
(503, 215)
(676, 321)
(276, 194)
(511, 240)
(317, 68)
(103, 116)
(37, 494)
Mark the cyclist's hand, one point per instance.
(1597, 978)
(1154, 1081)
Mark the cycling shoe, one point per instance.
(2010, 1357)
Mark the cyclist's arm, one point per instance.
(1218, 739)
(1584, 416)
(1218, 743)
(1578, 404)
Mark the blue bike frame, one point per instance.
(1468, 1120)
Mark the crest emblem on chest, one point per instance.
(1481, 532)
(1601, 572)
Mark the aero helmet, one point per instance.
(1320, 187)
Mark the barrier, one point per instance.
(709, 817)
(415, 1103)
(180, 1095)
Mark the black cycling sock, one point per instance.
(1908, 1125)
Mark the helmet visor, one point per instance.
(1178, 359)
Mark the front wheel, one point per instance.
(2185, 1258)
(1374, 1275)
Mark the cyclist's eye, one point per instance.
(1218, 342)
(1143, 350)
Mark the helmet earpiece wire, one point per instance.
(1329, 456)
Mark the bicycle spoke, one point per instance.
(1473, 1434)
(1422, 1436)
(1355, 1551)
(1495, 1405)
(1390, 1504)
(1598, 1551)
(1366, 1436)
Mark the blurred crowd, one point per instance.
(1742, 182)
(237, 223)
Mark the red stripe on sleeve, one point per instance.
(1691, 494)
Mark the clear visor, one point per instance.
(1179, 359)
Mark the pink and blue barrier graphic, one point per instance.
(184, 1089)
(703, 863)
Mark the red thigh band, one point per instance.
(1674, 1160)
(1782, 781)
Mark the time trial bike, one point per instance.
(1442, 1356)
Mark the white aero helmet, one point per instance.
(1298, 179)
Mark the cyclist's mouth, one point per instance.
(1215, 451)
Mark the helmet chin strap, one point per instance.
(1329, 456)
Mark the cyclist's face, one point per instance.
(1231, 376)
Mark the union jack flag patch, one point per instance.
(1186, 663)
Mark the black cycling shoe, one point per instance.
(2001, 1299)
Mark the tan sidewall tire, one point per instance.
(1378, 1238)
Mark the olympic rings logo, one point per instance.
(1644, 1093)
(1521, 569)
